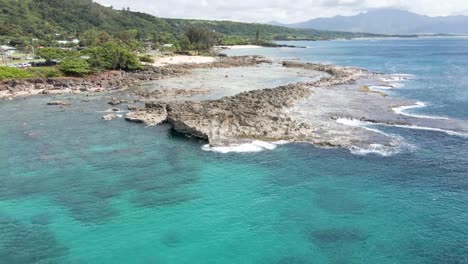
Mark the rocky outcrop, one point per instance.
(115, 101)
(253, 115)
(110, 117)
(154, 114)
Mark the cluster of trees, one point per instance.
(109, 56)
(21, 20)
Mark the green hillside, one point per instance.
(44, 19)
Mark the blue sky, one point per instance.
(286, 11)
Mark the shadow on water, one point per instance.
(85, 180)
(28, 243)
(295, 260)
(171, 239)
(337, 201)
(334, 236)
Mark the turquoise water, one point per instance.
(76, 189)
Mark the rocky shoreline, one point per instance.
(253, 115)
(331, 111)
(322, 112)
(113, 80)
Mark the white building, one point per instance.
(7, 50)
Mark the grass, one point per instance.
(7, 73)
(13, 73)
(47, 72)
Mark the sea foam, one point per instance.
(254, 146)
(401, 111)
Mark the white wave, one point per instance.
(381, 87)
(397, 85)
(448, 132)
(364, 125)
(350, 122)
(397, 143)
(112, 110)
(397, 77)
(254, 146)
(395, 80)
(379, 149)
(401, 111)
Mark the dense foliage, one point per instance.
(201, 38)
(49, 20)
(13, 73)
(74, 66)
(46, 72)
(111, 56)
(50, 54)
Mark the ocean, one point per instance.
(77, 189)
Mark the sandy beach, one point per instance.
(182, 59)
(239, 47)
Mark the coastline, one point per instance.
(256, 119)
(118, 80)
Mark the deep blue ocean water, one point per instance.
(76, 189)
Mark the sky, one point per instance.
(285, 11)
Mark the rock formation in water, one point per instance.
(253, 115)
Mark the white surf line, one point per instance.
(448, 132)
(401, 111)
(394, 80)
(358, 123)
(379, 149)
(254, 146)
(361, 124)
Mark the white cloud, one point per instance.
(282, 10)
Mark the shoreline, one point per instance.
(255, 120)
(109, 81)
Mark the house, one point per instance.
(66, 42)
(7, 50)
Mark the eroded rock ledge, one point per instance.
(254, 115)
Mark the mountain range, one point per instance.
(389, 21)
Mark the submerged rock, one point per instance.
(115, 101)
(59, 103)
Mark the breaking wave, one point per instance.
(254, 146)
(401, 111)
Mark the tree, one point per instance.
(201, 38)
(50, 54)
(74, 66)
(184, 43)
(94, 37)
(111, 56)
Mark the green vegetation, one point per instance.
(13, 73)
(111, 56)
(94, 24)
(50, 54)
(84, 37)
(74, 67)
(201, 38)
(47, 72)
(146, 58)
